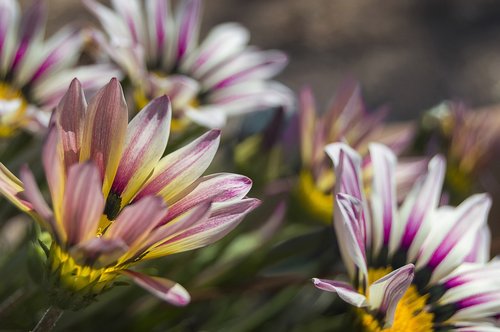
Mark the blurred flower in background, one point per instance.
(346, 120)
(469, 140)
(417, 267)
(35, 73)
(158, 52)
(110, 188)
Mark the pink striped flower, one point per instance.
(35, 73)
(116, 201)
(413, 267)
(159, 53)
(345, 120)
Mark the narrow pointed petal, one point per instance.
(383, 200)
(53, 165)
(347, 166)
(348, 227)
(188, 24)
(224, 218)
(70, 114)
(159, 25)
(164, 289)
(452, 236)
(110, 21)
(146, 141)
(131, 13)
(11, 188)
(247, 66)
(179, 169)
(34, 196)
(223, 41)
(137, 220)
(9, 17)
(344, 290)
(480, 252)
(61, 51)
(307, 119)
(32, 27)
(423, 198)
(386, 292)
(212, 188)
(83, 203)
(196, 215)
(207, 116)
(104, 132)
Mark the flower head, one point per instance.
(35, 73)
(159, 52)
(346, 120)
(116, 201)
(416, 267)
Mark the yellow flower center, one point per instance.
(411, 314)
(12, 109)
(178, 124)
(318, 203)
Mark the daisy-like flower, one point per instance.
(116, 201)
(159, 53)
(416, 267)
(348, 120)
(468, 139)
(35, 73)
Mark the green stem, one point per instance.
(48, 320)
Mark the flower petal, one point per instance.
(182, 167)
(98, 252)
(9, 17)
(104, 131)
(452, 237)
(70, 114)
(224, 218)
(386, 292)
(160, 27)
(137, 220)
(222, 42)
(131, 13)
(414, 213)
(164, 289)
(83, 203)
(383, 200)
(11, 187)
(146, 141)
(212, 188)
(307, 121)
(188, 18)
(348, 227)
(344, 290)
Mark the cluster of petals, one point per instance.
(115, 200)
(442, 251)
(157, 49)
(35, 73)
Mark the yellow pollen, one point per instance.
(410, 312)
(15, 118)
(177, 124)
(314, 200)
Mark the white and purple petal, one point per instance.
(344, 290)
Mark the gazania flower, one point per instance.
(34, 74)
(468, 140)
(417, 267)
(346, 120)
(117, 202)
(159, 53)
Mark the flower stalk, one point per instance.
(49, 319)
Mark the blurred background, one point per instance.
(409, 55)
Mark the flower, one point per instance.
(159, 53)
(468, 139)
(345, 120)
(110, 188)
(417, 267)
(34, 73)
